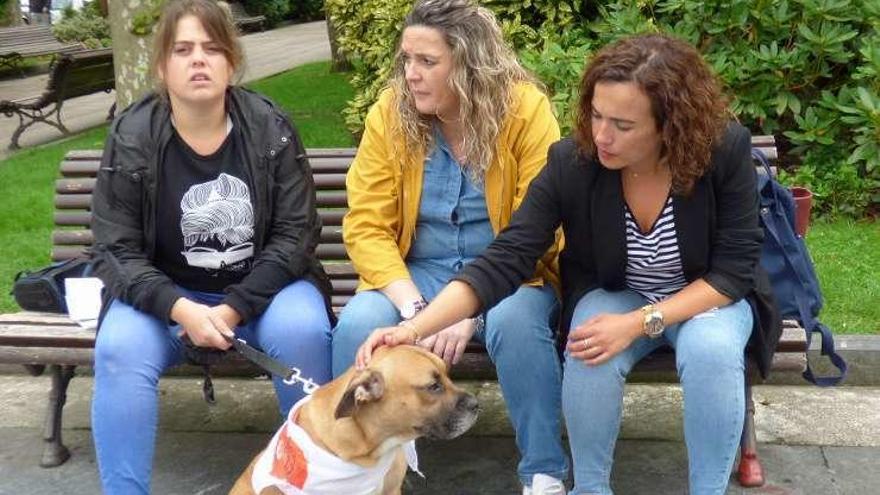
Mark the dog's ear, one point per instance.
(365, 387)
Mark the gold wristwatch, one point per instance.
(652, 324)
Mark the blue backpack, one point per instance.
(785, 258)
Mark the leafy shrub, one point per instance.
(367, 33)
(274, 10)
(4, 13)
(306, 10)
(86, 26)
(807, 71)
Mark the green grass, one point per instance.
(844, 251)
(26, 188)
(28, 67)
(848, 264)
(314, 98)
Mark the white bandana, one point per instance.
(295, 465)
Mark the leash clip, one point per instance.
(308, 385)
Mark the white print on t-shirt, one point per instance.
(214, 215)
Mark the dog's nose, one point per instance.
(468, 403)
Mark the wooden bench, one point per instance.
(244, 21)
(19, 42)
(71, 74)
(39, 340)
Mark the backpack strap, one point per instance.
(811, 324)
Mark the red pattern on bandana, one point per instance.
(289, 462)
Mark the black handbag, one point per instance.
(43, 290)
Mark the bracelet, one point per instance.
(412, 328)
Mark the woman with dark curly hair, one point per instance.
(656, 197)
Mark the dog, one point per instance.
(360, 426)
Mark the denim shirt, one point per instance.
(453, 226)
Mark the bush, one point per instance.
(274, 10)
(807, 71)
(306, 10)
(85, 26)
(4, 14)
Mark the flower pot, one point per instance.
(803, 202)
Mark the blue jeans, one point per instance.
(133, 349)
(520, 343)
(709, 356)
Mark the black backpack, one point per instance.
(785, 258)
(43, 290)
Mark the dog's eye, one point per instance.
(435, 388)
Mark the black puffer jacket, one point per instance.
(287, 227)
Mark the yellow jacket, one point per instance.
(384, 192)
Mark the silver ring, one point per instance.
(586, 343)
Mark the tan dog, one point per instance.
(362, 420)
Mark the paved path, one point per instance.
(812, 440)
(266, 53)
(209, 463)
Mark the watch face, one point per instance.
(408, 311)
(654, 325)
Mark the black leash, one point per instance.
(272, 366)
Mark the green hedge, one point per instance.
(86, 26)
(3, 14)
(807, 71)
(278, 10)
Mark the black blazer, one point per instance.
(719, 236)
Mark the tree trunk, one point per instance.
(131, 53)
(340, 63)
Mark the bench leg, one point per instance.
(54, 452)
(750, 473)
(27, 118)
(35, 369)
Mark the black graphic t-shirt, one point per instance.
(205, 216)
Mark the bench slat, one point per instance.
(70, 212)
(46, 336)
(329, 235)
(793, 338)
(35, 318)
(324, 251)
(37, 343)
(47, 355)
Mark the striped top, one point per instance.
(653, 263)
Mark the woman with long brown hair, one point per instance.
(205, 226)
(447, 154)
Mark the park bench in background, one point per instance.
(71, 74)
(39, 340)
(19, 42)
(244, 21)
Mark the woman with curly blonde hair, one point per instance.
(447, 154)
(657, 199)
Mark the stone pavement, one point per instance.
(209, 463)
(812, 441)
(266, 53)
